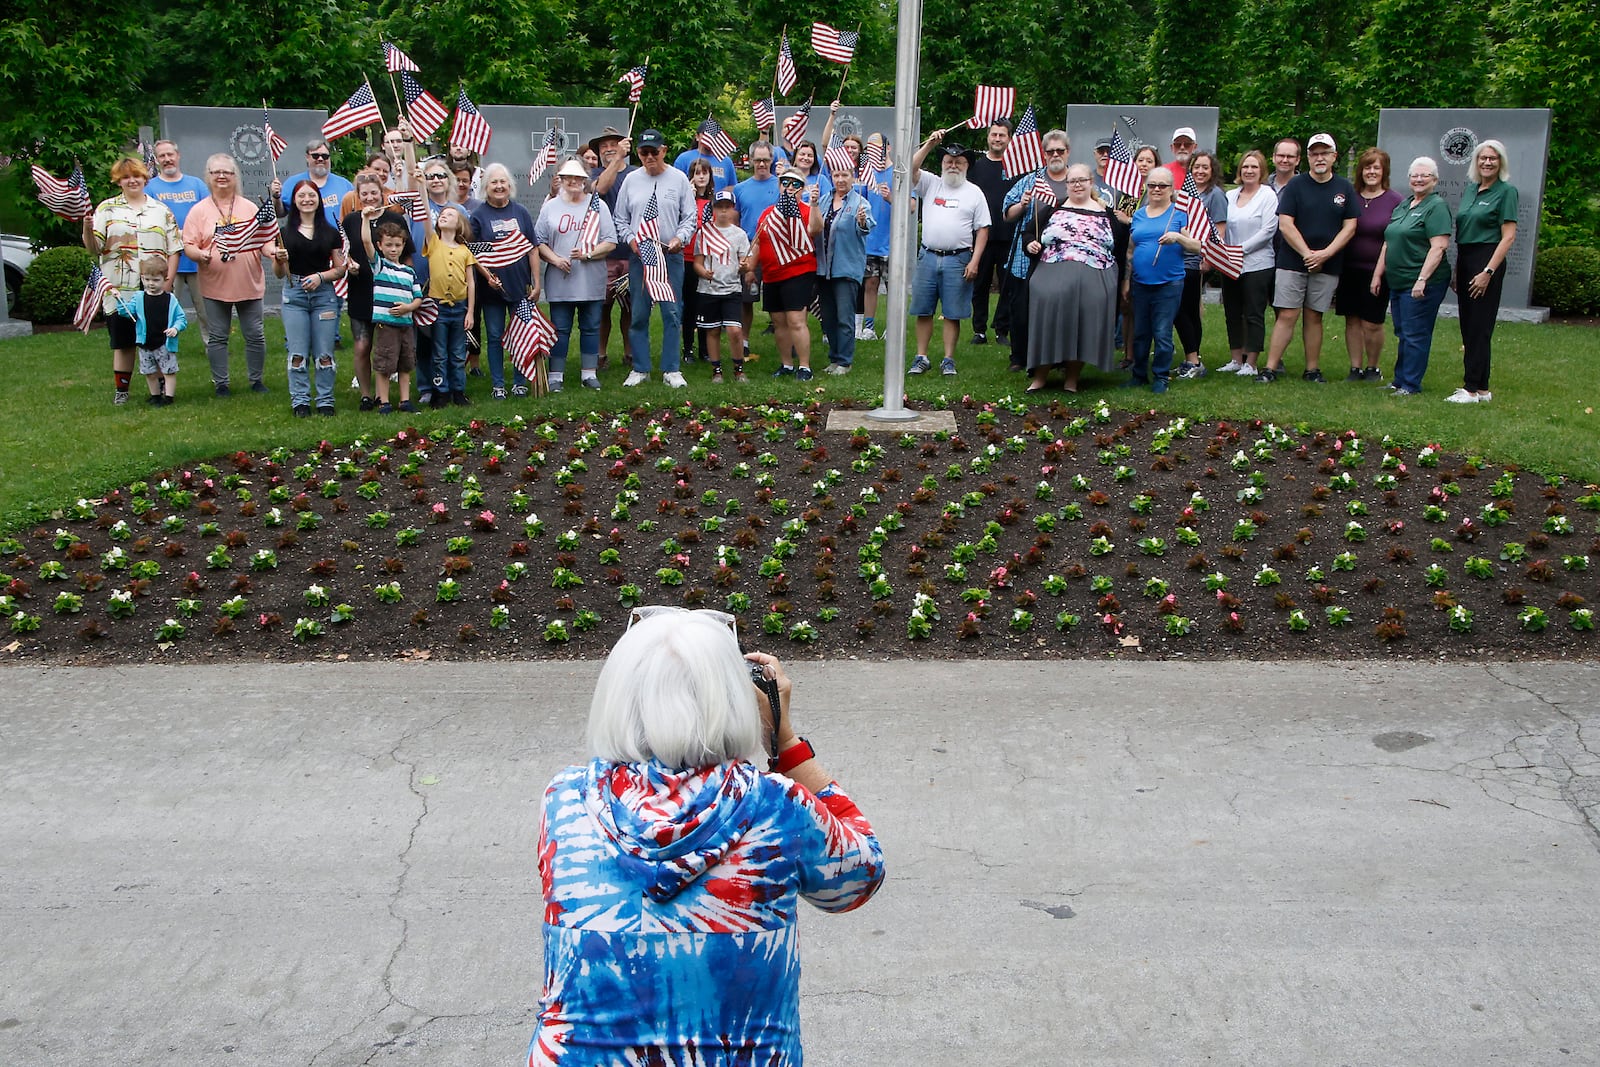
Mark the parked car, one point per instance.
(18, 255)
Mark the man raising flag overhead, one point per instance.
(359, 111)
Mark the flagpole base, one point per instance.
(899, 420)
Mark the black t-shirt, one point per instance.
(309, 255)
(1319, 210)
(359, 302)
(988, 174)
(157, 310)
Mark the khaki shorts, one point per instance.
(394, 348)
(1294, 289)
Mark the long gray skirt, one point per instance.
(1071, 309)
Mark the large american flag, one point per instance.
(546, 157)
(714, 139)
(68, 198)
(94, 294)
(1225, 258)
(787, 74)
(836, 45)
(762, 111)
(239, 238)
(992, 102)
(634, 80)
(589, 232)
(1121, 174)
(1024, 151)
(358, 111)
(412, 203)
(470, 131)
(794, 127)
(657, 283)
(427, 113)
(395, 60)
(787, 230)
(528, 336)
(708, 239)
(502, 251)
(275, 142)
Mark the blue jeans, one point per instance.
(1154, 308)
(942, 279)
(1413, 330)
(494, 328)
(838, 299)
(309, 320)
(450, 349)
(671, 324)
(587, 313)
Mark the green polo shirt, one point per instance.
(1482, 212)
(1406, 239)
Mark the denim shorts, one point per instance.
(940, 278)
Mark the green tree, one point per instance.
(1188, 58)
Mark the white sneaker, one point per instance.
(836, 368)
(1485, 396)
(634, 378)
(866, 333)
(1245, 371)
(1461, 396)
(556, 381)
(674, 380)
(1233, 366)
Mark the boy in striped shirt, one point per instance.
(396, 295)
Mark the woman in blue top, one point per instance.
(839, 227)
(674, 862)
(1154, 281)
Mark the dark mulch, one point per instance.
(1058, 533)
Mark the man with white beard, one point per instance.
(955, 229)
(1029, 219)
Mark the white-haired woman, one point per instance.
(1413, 260)
(497, 218)
(1486, 228)
(1154, 283)
(672, 864)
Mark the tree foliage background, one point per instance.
(77, 80)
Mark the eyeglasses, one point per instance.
(1055, 151)
(317, 155)
(221, 173)
(1078, 181)
(1158, 185)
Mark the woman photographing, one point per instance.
(673, 862)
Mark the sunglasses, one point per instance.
(793, 183)
(649, 151)
(437, 177)
(318, 155)
(1055, 151)
(1158, 185)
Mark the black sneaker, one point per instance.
(803, 374)
(783, 372)
(406, 405)
(1372, 374)
(460, 400)
(980, 338)
(154, 400)
(325, 412)
(367, 403)
(1356, 375)
(1266, 376)
(1002, 338)
(259, 387)
(302, 411)
(385, 409)
(223, 390)
(1313, 376)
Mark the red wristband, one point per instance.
(794, 755)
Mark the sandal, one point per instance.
(1125, 363)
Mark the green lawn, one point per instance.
(61, 438)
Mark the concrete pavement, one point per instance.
(1100, 863)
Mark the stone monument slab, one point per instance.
(519, 133)
(1152, 125)
(1450, 136)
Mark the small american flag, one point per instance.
(709, 240)
(239, 238)
(634, 80)
(358, 111)
(546, 157)
(94, 294)
(275, 141)
(528, 336)
(395, 60)
(992, 102)
(794, 127)
(787, 231)
(341, 284)
(1043, 191)
(427, 113)
(838, 158)
(412, 204)
(1214, 252)
(469, 132)
(1121, 174)
(714, 139)
(649, 229)
(69, 198)
(502, 251)
(427, 312)
(763, 113)
(656, 281)
(1024, 151)
(836, 45)
(871, 160)
(589, 232)
(787, 74)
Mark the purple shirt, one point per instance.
(1362, 251)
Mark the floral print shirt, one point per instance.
(1079, 235)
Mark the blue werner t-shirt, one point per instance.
(179, 196)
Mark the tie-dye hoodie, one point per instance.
(671, 900)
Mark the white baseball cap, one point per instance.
(1321, 139)
(1184, 131)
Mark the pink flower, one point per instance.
(1338, 446)
(402, 437)
(440, 509)
(1401, 468)
(1221, 595)
(1170, 600)
(486, 516)
(972, 616)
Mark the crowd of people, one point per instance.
(1083, 275)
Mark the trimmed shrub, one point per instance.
(1567, 280)
(54, 285)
